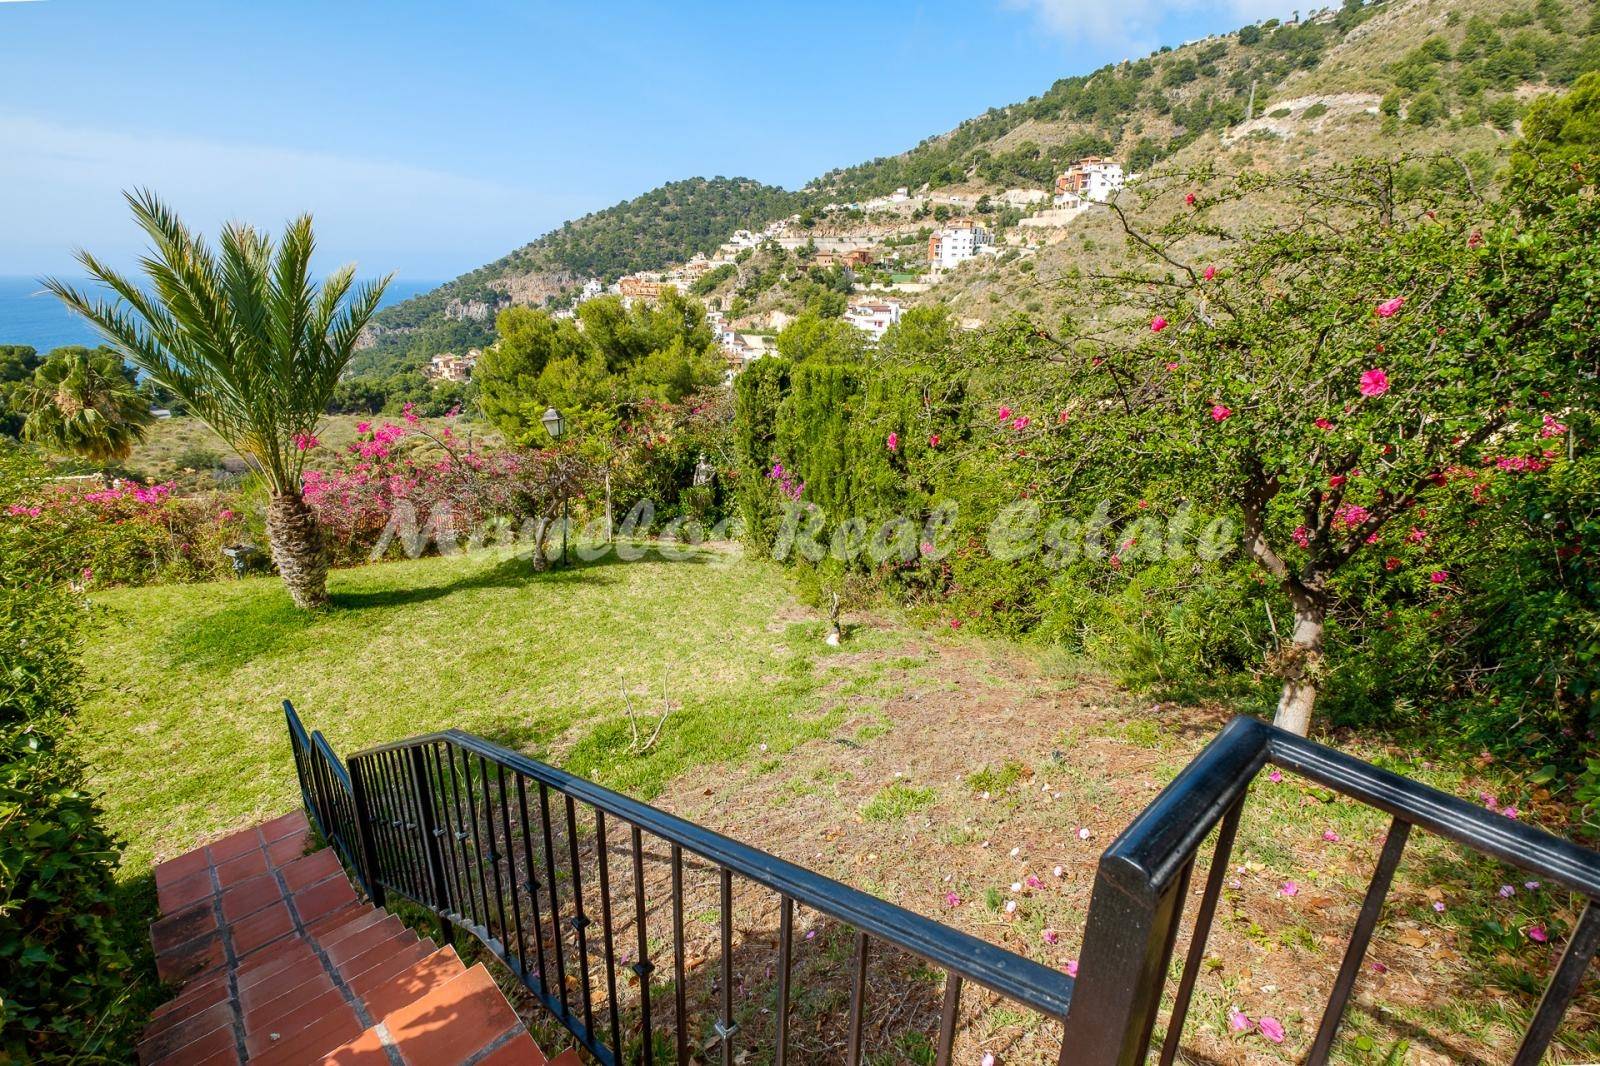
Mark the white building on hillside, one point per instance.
(1091, 179)
(873, 317)
(591, 289)
(957, 242)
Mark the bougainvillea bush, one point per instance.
(123, 533)
(400, 489)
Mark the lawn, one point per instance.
(936, 770)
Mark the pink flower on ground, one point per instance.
(1330, 836)
(1157, 324)
(1032, 881)
(1011, 906)
(1323, 424)
(1021, 422)
(1220, 413)
(1209, 273)
(988, 1059)
(1531, 886)
(955, 623)
(893, 443)
(1439, 577)
(1378, 967)
(1275, 776)
(952, 900)
(1438, 906)
(1506, 892)
(1289, 889)
(1238, 1020)
(1072, 967)
(1538, 935)
(926, 547)
(87, 573)
(1374, 383)
(1005, 412)
(1510, 812)
(1388, 308)
(933, 440)
(1272, 1029)
(1051, 936)
(1084, 834)
(1172, 366)
(1188, 198)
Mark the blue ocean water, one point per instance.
(29, 315)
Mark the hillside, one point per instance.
(1381, 78)
(665, 225)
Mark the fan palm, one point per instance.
(82, 401)
(249, 343)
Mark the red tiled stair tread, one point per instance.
(378, 954)
(320, 899)
(247, 897)
(281, 852)
(280, 982)
(183, 866)
(457, 1019)
(351, 922)
(190, 959)
(568, 1057)
(520, 1050)
(381, 971)
(365, 1050)
(176, 895)
(269, 960)
(219, 1045)
(363, 940)
(176, 1037)
(183, 926)
(296, 1018)
(304, 1039)
(264, 1011)
(234, 845)
(413, 982)
(337, 917)
(260, 929)
(194, 1009)
(251, 864)
(284, 825)
(196, 996)
(309, 869)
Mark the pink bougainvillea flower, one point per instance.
(1506, 892)
(988, 1059)
(1011, 906)
(1330, 836)
(893, 442)
(1209, 273)
(1388, 308)
(1071, 967)
(1475, 240)
(1083, 833)
(955, 623)
(1510, 812)
(1439, 577)
(1172, 366)
(1336, 480)
(304, 442)
(1032, 881)
(1552, 428)
(1538, 935)
(933, 440)
(811, 934)
(1323, 424)
(1374, 382)
(1021, 422)
(926, 547)
(1378, 967)
(1051, 936)
(1188, 198)
(87, 573)
(952, 900)
(1157, 324)
(1301, 536)
(1238, 1020)
(1438, 906)
(1005, 412)
(1275, 776)
(1531, 886)
(1220, 413)
(1289, 888)
(1272, 1029)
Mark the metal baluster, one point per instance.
(555, 902)
(680, 994)
(580, 920)
(642, 968)
(785, 961)
(493, 857)
(1563, 985)
(1202, 930)
(858, 996)
(533, 885)
(605, 929)
(430, 839)
(468, 862)
(1366, 921)
(511, 871)
(470, 786)
(726, 1025)
(446, 830)
(384, 806)
(404, 797)
(364, 832)
(947, 1018)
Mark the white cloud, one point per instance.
(1135, 25)
(60, 189)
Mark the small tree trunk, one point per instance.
(609, 534)
(1302, 668)
(297, 550)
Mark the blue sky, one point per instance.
(429, 138)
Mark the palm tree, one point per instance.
(82, 401)
(249, 343)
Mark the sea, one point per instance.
(29, 315)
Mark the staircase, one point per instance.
(278, 961)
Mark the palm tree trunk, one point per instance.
(297, 550)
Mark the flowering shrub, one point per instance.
(125, 534)
(397, 482)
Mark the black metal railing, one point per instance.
(520, 854)
(1143, 879)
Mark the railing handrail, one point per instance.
(1014, 976)
(1154, 845)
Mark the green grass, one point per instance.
(897, 801)
(187, 737)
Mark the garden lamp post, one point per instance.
(555, 425)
